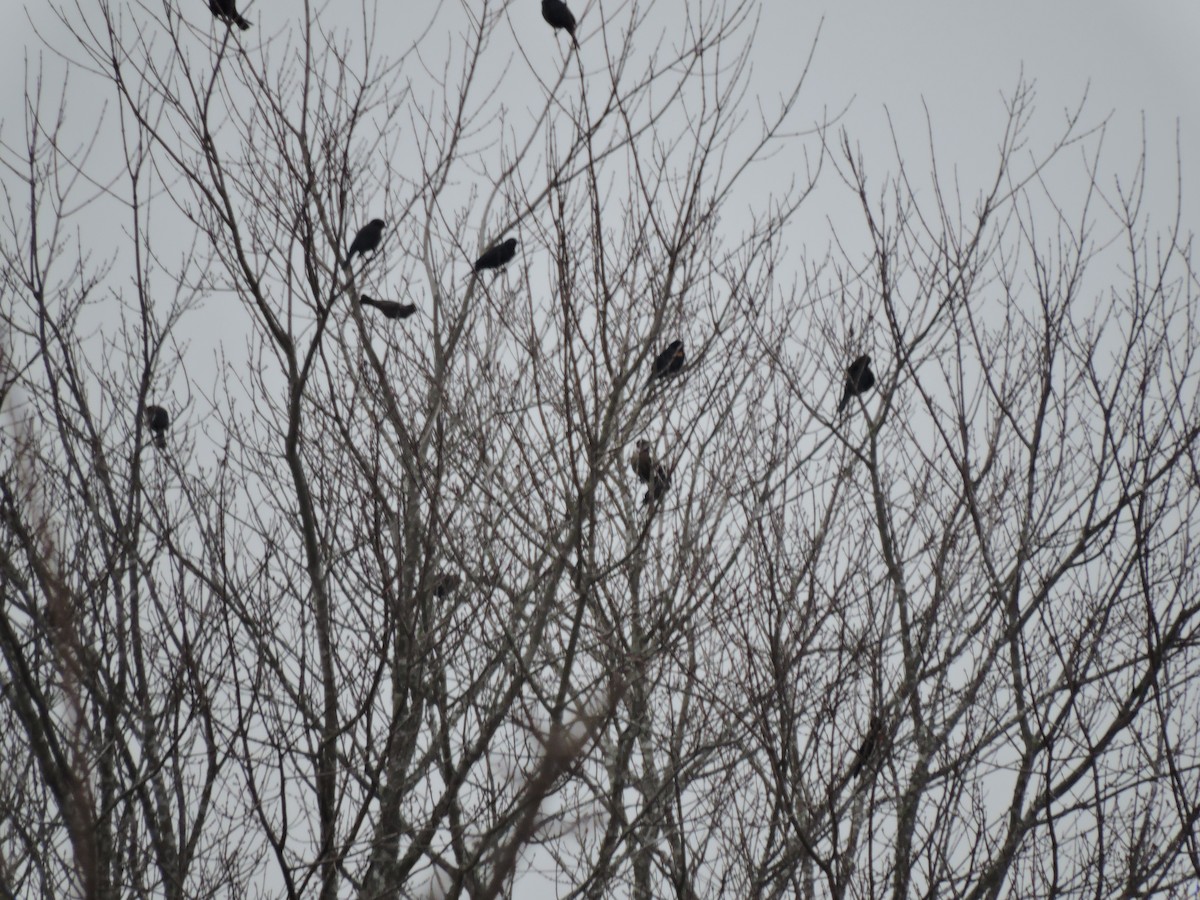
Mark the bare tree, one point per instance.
(988, 558)
(385, 610)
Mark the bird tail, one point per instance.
(242, 23)
(573, 41)
(845, 400)
(652, 497)
(160, 440)
(346, 264)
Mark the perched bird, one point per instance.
(158, 422)
(658, 486)
(867, 748)
(226, 11)
(669, 362)
(556, 13)
(642, 462)
(859, 380)
(497, 256)
(389, 308)
(649, 472)
(366, 241)
(445, 583)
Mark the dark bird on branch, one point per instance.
(445, 583)
(556, 13)
(158, 422)
(497, 256)
(649, 472)
(366, 241)
(667, 363)
(859, 380)
(867, 748)
(389, 308)
(226, 11)
(658, 485)
(642, 462)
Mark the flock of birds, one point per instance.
(667, 364)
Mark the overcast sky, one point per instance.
(1137, 56)
(883, 58)
(1132, 58)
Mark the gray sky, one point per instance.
(957, 55)
(1131, 57)
(883, 58)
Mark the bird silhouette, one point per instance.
(658, 485)
(859, 380)
(642, 462)
(497, 256)
(667, 363)
(867, 748)
(445, 583)
(366, 241)
(389, 308)
(556, 13)
(226, 11)
(158, 422)
(649, 472)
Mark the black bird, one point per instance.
(642, 462)
(158, 422)
(649, 472)
(669, 362)
(859, 380)
(445, 583)
(867, 748)
(226, 11)
(389, 308)
(366, 241)
(658, 486)
(556, 13)
(497, 256)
